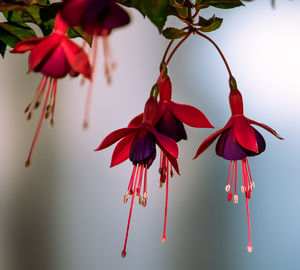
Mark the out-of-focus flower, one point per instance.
(97, 18)
(238, 140)
(54, 56)
(139, 145)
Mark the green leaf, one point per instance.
(12, 33)
(173, 33)
(2, 48)
(77, 31)
(222, 3)
(211, 24)
(156, 11)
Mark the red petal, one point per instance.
(209, 140)
(114, 137)
(121, 152)
(40, 52)
(166, 144)
(190, 115)
(173, 161)
(26, 45)
(266, 128)
(136, 121)
(244, 133)
(77, 57)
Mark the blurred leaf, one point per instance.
(173, 33)
(132, 3)
(222, 3)
(2, 48)
(211, 24)
(77, 31)
(156, 11)
(11, 33)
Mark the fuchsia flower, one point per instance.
(97, 18)
(54, 56)
(238, 140)
(170, 119)
(139, 145)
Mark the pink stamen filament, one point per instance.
(132, 179)
(145, 194)
(235, 180)
(54, 101)
(164, 238)
(130, 212)
(109, 64)
(138, 191)
(229, 173)
(244, 170)
(28, 161)
(87, 109)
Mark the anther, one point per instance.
(52, 123)
(140, 200)
(29, 116)
(248, 194)
(252, 185)
(229, 197)
(27, 163)
(144, 203)
(160, 184)
(235, 199)
(227, 188)
(242, 189)
(164, 239)
(123, 254)
(37, 104)
(249, 248)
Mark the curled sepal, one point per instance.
(26, 45)
(114, 137)
(266, 128)
(190, 115)
(122, 150)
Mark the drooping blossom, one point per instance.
(97, 18)
(139, 145)
(238, 141)
(54, 56)
(170, 122)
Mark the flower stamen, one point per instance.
(164, 238)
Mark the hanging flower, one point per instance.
(54, 56)
(97, 18)
(139, 145)
(171, 117)
(238, 140)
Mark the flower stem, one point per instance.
(218, 49)
(171, 55)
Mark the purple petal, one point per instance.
(170, 126)
(143, 147)
(228, 147)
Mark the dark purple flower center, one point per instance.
(143, 149)
(229, 148)
(170, 126)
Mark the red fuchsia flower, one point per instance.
(97, 18)
(139, 145)
(238, 140)
(171, 117)
(54, 56)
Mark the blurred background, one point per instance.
(65, 212)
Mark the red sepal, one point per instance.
(114, 137)
(244, 133)
(26, 45)
(266, 128)
(165, 143)
(173, 161)
(77, 57)
(122, 149)
(189, 115)
(209, 140)
(136, 121)
(43, 49)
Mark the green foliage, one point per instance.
(211, 24)
(173, 33)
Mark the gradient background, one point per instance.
(66, 212)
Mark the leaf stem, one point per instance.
(218, 49)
